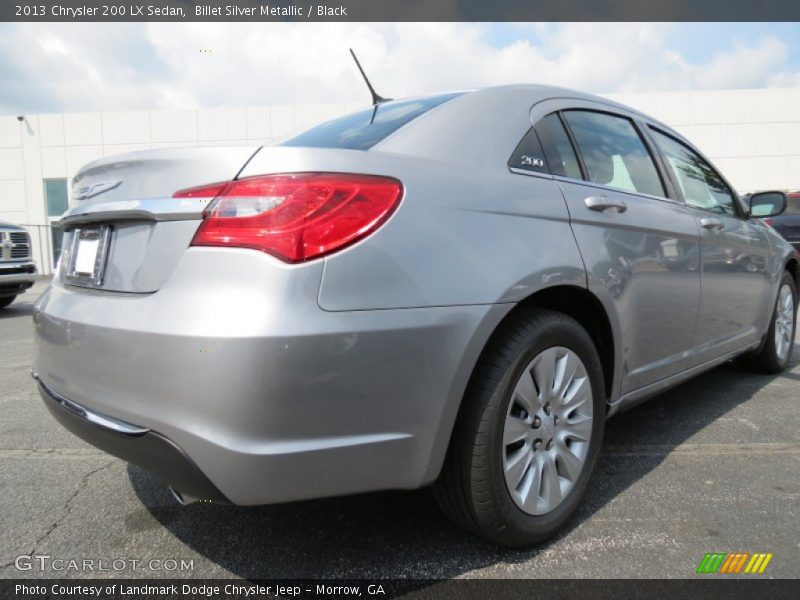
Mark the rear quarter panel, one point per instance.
(461, 235)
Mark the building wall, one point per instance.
(753, 136)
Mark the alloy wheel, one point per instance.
(784, 322)
(547, 430)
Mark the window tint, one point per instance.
(701, 185)
(613, 152)
(363, 129)
(529, 155)
(557, 148)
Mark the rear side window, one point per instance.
(557, 148)
(363, 129)
(529, 155)
(613, 152)
(701, 185)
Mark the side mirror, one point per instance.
(767, 204)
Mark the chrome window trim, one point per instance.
(519, 171)
(600, 186)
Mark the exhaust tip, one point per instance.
(182, 499)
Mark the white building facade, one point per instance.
(753, 136)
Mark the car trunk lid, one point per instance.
(126, 232)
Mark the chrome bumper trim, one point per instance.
(95, 418)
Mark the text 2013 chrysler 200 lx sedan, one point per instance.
(454, 290)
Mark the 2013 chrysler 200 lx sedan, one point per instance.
(454, 290)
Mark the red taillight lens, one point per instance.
(768, 221)
(295, 217)
(211, 190)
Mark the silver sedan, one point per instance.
(454, 290)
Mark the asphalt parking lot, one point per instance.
(713, 465)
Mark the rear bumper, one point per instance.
(272, 398)
(134, 444)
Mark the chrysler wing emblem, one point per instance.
(95, 189)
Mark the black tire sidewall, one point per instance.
(769, 346)
(516, 526)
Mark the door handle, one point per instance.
(712, 224)
(601, 203)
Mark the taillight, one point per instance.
(295, 217)
(204, 191)
(768, 221)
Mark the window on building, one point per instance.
(56, 237)
(55, 194)
(613, 152)
(56, 199)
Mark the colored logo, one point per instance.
(736, 562)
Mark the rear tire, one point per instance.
(483, 485)
(775, 354)
(6, 301)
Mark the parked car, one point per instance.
(17, 269)
(786, 222)
(454, 290)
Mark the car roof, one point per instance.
(483, 126)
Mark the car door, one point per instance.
(734, 254)
(640, 246)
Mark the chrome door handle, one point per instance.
(712, 224)
(601, 203)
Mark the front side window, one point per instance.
(613, 152)
(701, 185)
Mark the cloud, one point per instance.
(74, 67)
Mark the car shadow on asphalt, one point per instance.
(403, 534)
(18, 309)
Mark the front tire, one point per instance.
(528, 434)
(6, 301)
(776, 352)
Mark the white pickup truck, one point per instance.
(17, 269)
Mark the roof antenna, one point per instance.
(376, 99)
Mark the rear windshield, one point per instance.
(362, 130)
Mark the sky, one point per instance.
(72, 67)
